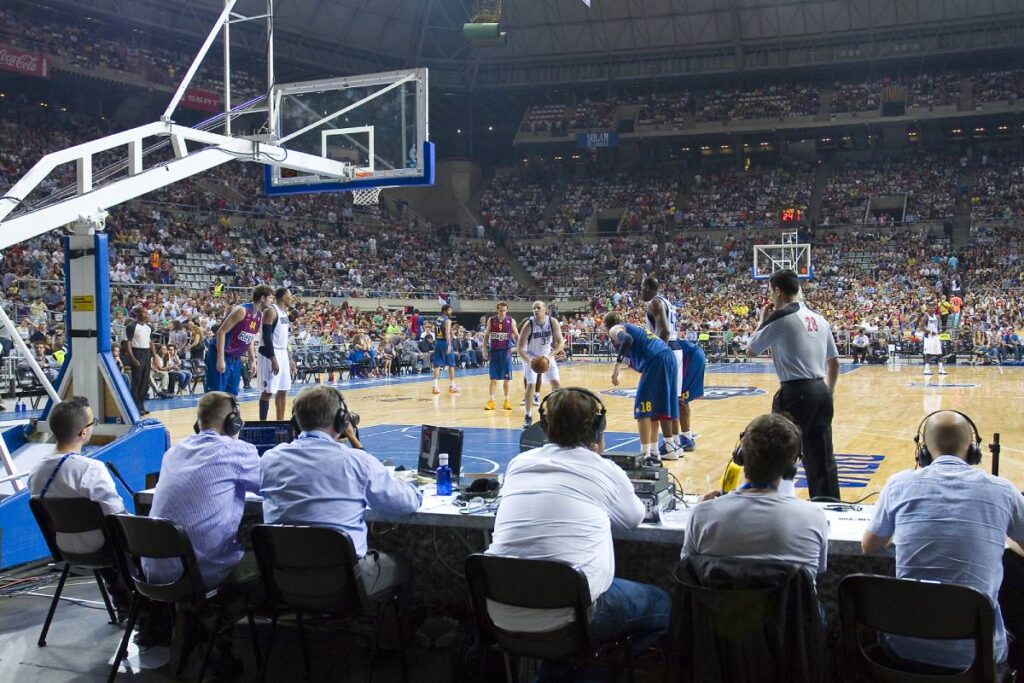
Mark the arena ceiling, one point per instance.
(363, 35)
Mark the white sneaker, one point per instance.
(943, 372)
(927, 372)
(536, 399)
(672, 454)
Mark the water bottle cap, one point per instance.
(442, 459)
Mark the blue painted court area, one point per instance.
(484, 450)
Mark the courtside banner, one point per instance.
(24, 62)
(203, 100)
(596, 140)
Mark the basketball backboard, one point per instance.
(769, 258)
(376, 123)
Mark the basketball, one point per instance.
(540, 364)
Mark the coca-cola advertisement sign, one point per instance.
(203, 100)
(22, 62)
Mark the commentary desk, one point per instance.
(439, 536)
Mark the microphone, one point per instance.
(113, 469)
(994, 449)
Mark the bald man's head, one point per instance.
(948, 433)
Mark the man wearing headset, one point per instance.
(325, 478)
(948, 521)
(756, 521)
(202, 487)
(562, 501)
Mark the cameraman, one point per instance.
(324, 478)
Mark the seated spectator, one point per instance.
(756, 521)
(68, 474)
(948, 522)
(325, 478)
(178, 377)
(46, 363)
(860, 346)
(561, 502)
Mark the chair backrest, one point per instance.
(72, 516)
(920, 609)
(740, 619)
(136, 538)
(533, 584)
(309, 569)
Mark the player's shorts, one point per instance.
(499, 364)
(677, 351)
(269, 382)
(229, 380)
(551, 374)
(656, 396)
(694, 363)
(441, 358)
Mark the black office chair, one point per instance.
(538, 584)
(315, 571)
(73, 516)
(745, 620)
(134, 538)
(920, 609)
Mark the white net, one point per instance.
(367, 196)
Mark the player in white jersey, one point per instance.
(539, 336)
(662, 320)
(275, 365)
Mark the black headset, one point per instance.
(600, 421)
(342, 418)
(233, 421)
(924, 457)
(737, 452)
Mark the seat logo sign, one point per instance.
(710, 393)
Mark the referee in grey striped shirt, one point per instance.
(806, 361)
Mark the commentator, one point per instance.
(324, 478)
(561, 502)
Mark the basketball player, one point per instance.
(234, 337)
(275, 365)
(499, 335)
(539, 336)
(656, 398)
(933, 353)
(444, 355)
(662, 321)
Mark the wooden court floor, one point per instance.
(878, 409)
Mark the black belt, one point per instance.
(795, 382)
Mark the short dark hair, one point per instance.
(68, 418)
(569, 418)
(787, 281)
(447, 307)
(771, 444)
(261, 292)
(280, 292)
(611, 319)
(316, 406)
(213, 408)
(650, 282)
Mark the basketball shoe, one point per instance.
(490, 405)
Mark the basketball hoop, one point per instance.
(366, 196)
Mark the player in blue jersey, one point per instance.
(444, 355)
(656, 402)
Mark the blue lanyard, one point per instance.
(46, 486)
(758, 485)
(316, 435)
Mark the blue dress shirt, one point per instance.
(949, 522)
(202, 487)
(316, 480)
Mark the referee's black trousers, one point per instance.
(809, 404)
(140, 377)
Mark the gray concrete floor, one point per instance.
(81, 643)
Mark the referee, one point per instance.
(806, 361)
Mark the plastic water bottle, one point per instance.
(444, 476)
